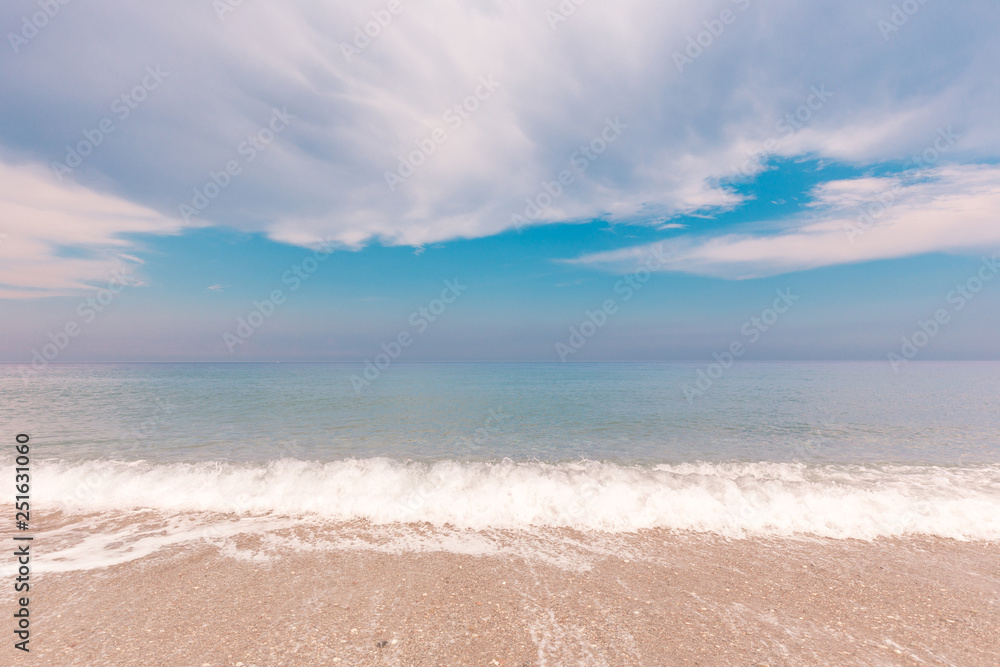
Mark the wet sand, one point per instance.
(363, 595)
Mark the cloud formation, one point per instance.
(943, 209)
(371, 92)
(56, 238)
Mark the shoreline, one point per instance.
(403, 594)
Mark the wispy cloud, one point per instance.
(62, 237)
(355, 117)
(945, 209)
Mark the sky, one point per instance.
(584, 180)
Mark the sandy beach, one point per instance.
(500, 333)
(361, 594)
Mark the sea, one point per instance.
(828, 450)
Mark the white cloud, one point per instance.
(61, 237)
(945, 209)
(324, 176)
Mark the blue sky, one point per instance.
(673, 166)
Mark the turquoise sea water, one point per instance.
(937, 413)
(839, 450)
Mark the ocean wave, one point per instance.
(731, 499)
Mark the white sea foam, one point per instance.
(731, 499)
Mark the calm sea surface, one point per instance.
(929, 413)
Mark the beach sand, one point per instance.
(357, 594)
